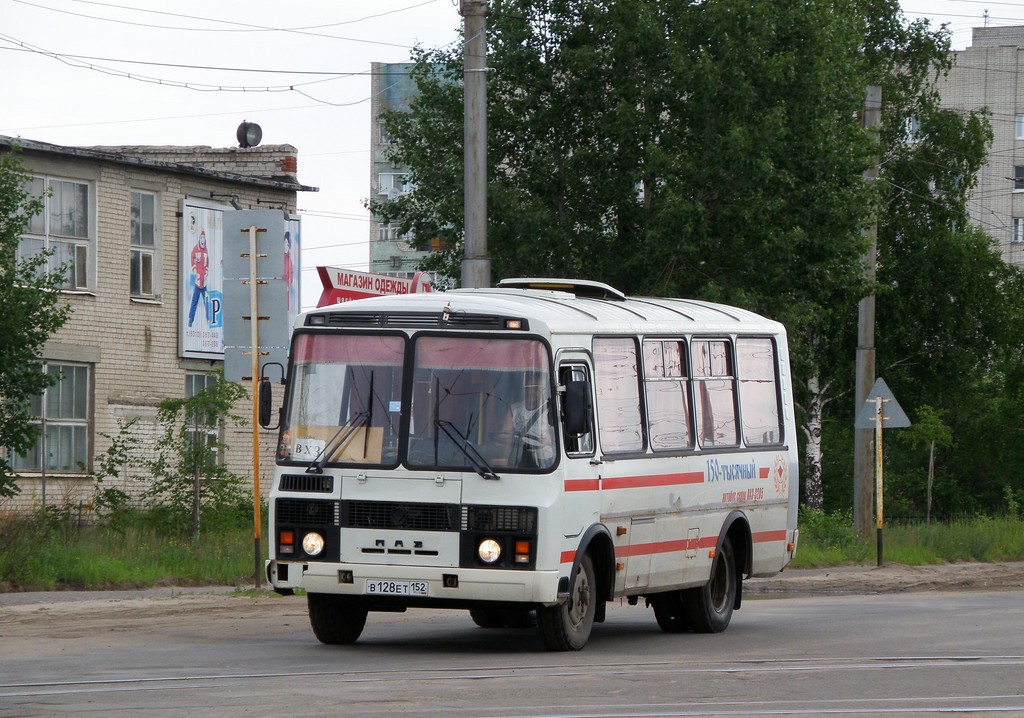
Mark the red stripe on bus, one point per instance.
(767, 536)
(634, 482)
(582, 484)
(639, 482)
(567, 557)
(762, 472)
(646, 549)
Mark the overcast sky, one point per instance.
(82, 72)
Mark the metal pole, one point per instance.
(476, 265)
(879, 521)
(42, 443)
(872, 120)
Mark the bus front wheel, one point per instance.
(708, 608)
(336, 620)
(567, 626)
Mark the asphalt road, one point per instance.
(926, 653)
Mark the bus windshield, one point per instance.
(481, 404)
(481, 398)
(345, 401)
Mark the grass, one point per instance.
(38, 553)
(830, 540)
(46, 552)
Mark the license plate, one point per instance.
(380, 587)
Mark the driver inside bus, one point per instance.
(529, 426)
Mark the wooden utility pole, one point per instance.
(862, 458)
(476, 265)
(254, 334)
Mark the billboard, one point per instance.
(344, 285)
(201, 303)
(278, 272)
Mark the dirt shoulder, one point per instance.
(892, 578)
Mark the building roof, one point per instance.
(157, 158)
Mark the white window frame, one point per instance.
(912, 130)
(1017, 233)
(1018, 178)
(50, 229)
(394, 184)
(200, 428)
(144, 241)
(1018, 127)
(63, 413)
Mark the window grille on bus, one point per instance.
(307, 482)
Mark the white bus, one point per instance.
(530, 453)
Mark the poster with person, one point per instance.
(201, 299)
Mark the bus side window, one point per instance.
(577, 410)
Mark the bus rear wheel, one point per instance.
(336, 620)
(567, 626)
(708, 608)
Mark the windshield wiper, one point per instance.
(468, 449)
(316, 466)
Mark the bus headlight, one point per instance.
(313, 543)
(489, 551)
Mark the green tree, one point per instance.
(711, 150)
(32, 308)
(188, 479)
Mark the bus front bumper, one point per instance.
(447, 585)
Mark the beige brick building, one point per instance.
(990, 74)
(122, 219)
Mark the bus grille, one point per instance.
(320, 483)
(397, 515)
(305, 512)
(499, 518)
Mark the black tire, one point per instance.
(567, 626)
(487, 617)
(336, 620)
(709, 608)
(670, 611)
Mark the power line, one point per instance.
(248, 27)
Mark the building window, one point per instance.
(202, 428)
(65, 226)
(1018, 178)
(1018, 230)
(62, 414)
(912, 130)
(143, 245)
(1018, 131)
(394, 184)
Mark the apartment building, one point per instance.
(147, 312)
(392, 89)
(990, 74)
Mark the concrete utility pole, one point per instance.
(871, 121)
(476, 265)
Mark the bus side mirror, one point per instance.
(577, 407)
(266, 397)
